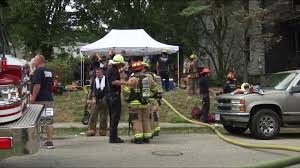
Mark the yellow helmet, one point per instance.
(118, 59)
(193, 56)
(164, 51)
(146, 65)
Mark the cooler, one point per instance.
(171, 84)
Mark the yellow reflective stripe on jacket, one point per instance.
(156, 88)
(135, 102)
(139, 136)
(148, 135)
(157, 129)
(126, 89)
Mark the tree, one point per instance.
(40, 24)
(226, 32)
(213, 18)
(246, 20)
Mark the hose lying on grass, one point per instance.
(287, 161)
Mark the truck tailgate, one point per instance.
(25, 133)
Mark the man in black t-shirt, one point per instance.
(163, 68)
(113, 96)
(42, 94)
(230, 85)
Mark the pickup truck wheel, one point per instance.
(265, 124)
(234, 129)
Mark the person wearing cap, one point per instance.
(204, 93)
(162, 68)
(230, 85)
(113, 96)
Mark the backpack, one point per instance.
(196, 113)
(143, 93)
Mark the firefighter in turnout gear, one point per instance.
(155, 100)
(137, 93)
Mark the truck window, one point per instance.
(298, 83)
(279, 81)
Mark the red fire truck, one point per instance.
(20, 122)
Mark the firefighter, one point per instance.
(204, 93)
(113, 96)
(193, 75)
(137, 93)
(230, 85)
(155, 101)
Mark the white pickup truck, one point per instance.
(265, 110)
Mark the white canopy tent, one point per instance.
(135, 42)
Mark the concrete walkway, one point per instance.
(125, 125)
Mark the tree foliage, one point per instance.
(43, 24)
(224, 31)
(40, 24)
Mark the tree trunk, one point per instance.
(47, 51)
(246, 50)
(245, 74)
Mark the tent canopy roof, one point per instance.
(135, 42)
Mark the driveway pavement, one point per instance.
(177, 150)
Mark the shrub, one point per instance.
(63, 68)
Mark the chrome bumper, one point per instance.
(25, 133)
(233, 117)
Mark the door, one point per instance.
(292, 114)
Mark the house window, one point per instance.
(296, 4)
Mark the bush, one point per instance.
(63, 68)
(218, 82)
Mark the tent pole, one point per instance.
(83, 73)
(178, 68)
(81, 70)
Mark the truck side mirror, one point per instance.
(295, 89)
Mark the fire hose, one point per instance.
(287, 161)
(283, 162)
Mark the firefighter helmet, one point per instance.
(118, 59)
(137, 66)
(204, 70)
(193, 56)
(231, 76)
(164, 51)
(145, 64)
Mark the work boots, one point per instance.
(91, 132)
(156, 133)
(137, 141)
(102, 132)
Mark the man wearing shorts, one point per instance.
(42, 93)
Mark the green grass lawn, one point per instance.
(61, 133)
(69, 107)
